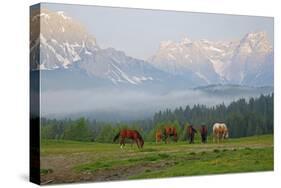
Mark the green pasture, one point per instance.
(71, 161)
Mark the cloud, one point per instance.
(125, 103)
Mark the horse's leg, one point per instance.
(137, 142)
(132, 142)
(122, 143)
(203, 139)
(157, 140)
(169, 139)
(218, 139)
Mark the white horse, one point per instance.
(220, 132)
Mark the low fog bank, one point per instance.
(122, 105)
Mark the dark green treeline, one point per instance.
(243, 118)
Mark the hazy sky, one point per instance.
(138, 32)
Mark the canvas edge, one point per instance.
(34, 104)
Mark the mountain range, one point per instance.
(248, 61)
(66, 47)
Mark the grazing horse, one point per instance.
(170, 131)
(158, 136)
(203, 132)
(190, 134)
(130, 134)
(220, 132)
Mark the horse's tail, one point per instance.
(116, 137)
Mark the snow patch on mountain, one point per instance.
(61, 13)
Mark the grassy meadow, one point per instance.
(71, 161)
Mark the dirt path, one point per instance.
(64, 172)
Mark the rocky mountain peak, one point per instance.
(255, 43)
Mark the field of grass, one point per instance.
(70, 161)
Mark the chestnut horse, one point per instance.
(190, 134)
(169, 132)
(130, 134)
(158, 136)
(203, 132)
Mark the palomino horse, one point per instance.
(130, 134)
(220, 132)
(190, 134)
(203, 132)
(169, 132)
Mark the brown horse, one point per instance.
(170, 132)
(190, 133)
(203, 132)
(130, 134)
(158, 136)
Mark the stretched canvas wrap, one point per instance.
(122, 93)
